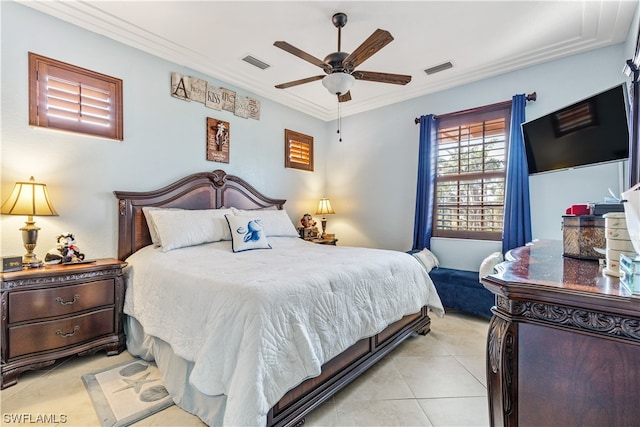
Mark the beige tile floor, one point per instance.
(432, 380)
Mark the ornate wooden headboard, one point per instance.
(205, 190)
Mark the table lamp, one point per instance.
(324, 208)
(29, 198)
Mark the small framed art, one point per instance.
(218, 140)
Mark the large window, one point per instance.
(63, 96)
(471, 163)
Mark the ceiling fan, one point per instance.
(340, 67)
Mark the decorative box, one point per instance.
(630, 272)
(11, 263)
(581, 234)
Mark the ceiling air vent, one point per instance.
(256, 62)
(438, 68)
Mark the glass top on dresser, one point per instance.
(542, 263)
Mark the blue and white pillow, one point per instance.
(247, 233)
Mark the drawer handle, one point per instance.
(68, 334)
(63, 302)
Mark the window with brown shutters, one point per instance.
(471, 165)
(298, 150)
(65, 97)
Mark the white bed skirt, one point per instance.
(175, 374)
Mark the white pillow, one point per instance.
(427, 258)
(247, 233)
(152, 227)
(181, 228)
(488, 265)
(275, 222)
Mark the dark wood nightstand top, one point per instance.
(58, 269)
(324, 241)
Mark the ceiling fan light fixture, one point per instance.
(338, 83)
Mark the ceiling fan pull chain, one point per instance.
(339, 121)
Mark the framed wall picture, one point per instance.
(298, 150)
(218, 140)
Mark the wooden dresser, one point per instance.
(563, 347)
(57, 311)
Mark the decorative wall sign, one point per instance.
(198, 90)
(214, 98)
(191, 88)
(228, 100)
(242, 107)
(179, 84)
(254, 109)
(218, 138)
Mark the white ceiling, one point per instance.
(480, 38)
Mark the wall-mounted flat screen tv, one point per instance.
(591, 131)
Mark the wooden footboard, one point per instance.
(343, 369)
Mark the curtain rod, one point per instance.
(530, 97)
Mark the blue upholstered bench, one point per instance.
(462, 290)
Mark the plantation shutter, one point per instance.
(70, 98)
(298, 150)
(470, 183)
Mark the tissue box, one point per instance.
(581, 234)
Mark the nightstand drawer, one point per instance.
(54, 334)
(43, 303)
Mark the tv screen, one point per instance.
(590, 131)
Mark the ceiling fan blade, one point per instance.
(300, 54)
(298, 82)
(375, 42)
(372, 76)
(344, 98)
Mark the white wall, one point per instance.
(164, 137)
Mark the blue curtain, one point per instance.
(423, 223)
(517, 211)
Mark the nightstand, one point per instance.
(324, 241)
(56, 311)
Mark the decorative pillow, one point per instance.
(275, 222)
(152, 226)
(488, 265)
(427, 259)
(181, 228)
(246, 233)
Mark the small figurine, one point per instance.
(66, 251)
(308, 229)
(307, 221)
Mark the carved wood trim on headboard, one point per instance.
(204, 190)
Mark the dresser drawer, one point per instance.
(54, 334)
(43, 303)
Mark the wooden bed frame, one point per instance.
(217, 189)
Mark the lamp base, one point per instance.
(324, 227)
(30, 238)
(29, 260)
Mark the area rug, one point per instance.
(126, 393)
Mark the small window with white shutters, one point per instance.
(65, 97)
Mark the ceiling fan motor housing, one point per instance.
(334, 61)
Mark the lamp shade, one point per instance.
(28, 198)
(338, 83)
(324, 207)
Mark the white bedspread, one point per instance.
(258, 323)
